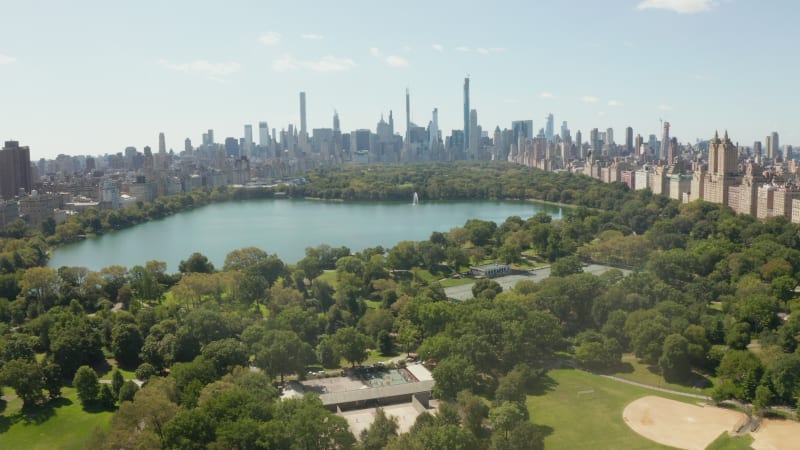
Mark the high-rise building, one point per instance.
(629, 140)
(757, 148)
(209, 137)
(433, 132)
(263, 134)
(579, 144)
(594, 141)
(336, 126)
(187, 145)
(408, 119)
(15, 169)
(665, 142)
(772, 145)
(474, 137)
(522, 127)
(232, 147)
(303, 112)
(162, 144)
(248, 141)
(565, 135)
(548, 128)
(466, 113)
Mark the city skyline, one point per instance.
(95, 79)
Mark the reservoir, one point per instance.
(283, 227)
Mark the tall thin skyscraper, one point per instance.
(665, 143)
(549, 132)
(162, 145)
(434, 129)
(475, 134)
(757, 148)
(629, 140)
(303, 112)
(466, 113)
(408, 118)
(579, 144)
(336, 126)
(565, 135)
(248, 141)
(263, 134)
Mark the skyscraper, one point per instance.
(565, 135)
(549, 132)
(162, 145)
(579, 144)
(629, 140)
(466, 113)
(408, 119)
(248, 141)
(665, 142)
(772, 145)
(433, 137)
(15, 169)
(263, 134)
(303, 112)
(474, 137)
(757, 148)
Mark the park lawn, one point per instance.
(571, 420)
(642, 374)
(61, 424)
(329, 276)
(450, 282)
(726, 442)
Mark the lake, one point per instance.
(284, 227)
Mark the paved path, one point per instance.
(656, 388)
(464, 291)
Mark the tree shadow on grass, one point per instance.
(620, 367)
(542, 386)
(34, 415)
(694, 381)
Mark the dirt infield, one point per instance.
(777, 435)
(677, 424)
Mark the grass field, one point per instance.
(572, 421)
(62, 424)
(725, 442)
(641, 373)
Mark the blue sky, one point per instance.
(92, 77)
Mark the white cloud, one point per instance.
(665, 107)
(270, 39)
(589, 99)
(396, 61)
(5, 59)
(613, 103)
(392, 60)
(326, 64)
(546, 94)
(486, 51)
(311, 36)
(215, 71)
(438, 47)
(462, 48)
(679, 6)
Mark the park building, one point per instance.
(490, 270)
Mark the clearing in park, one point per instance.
(695, 427)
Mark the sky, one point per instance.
(93, 77)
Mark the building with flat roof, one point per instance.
(490, 270)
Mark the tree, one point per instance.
(126, 342)
(743, 370)
(378, 434)
(116, 382)
(226, 354)
(26, 378)
(486, 288)
(473, 412)
(674, 360)
(105, 398)
(244, 258)
(453, 375)
(189, 429)
(567, 265)
(86, 384)
(196, 263)
(783, 375)
(281, 352)
(52, 379)
(762, 399)
(128, 391)
(352, 344)
(145, 371)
